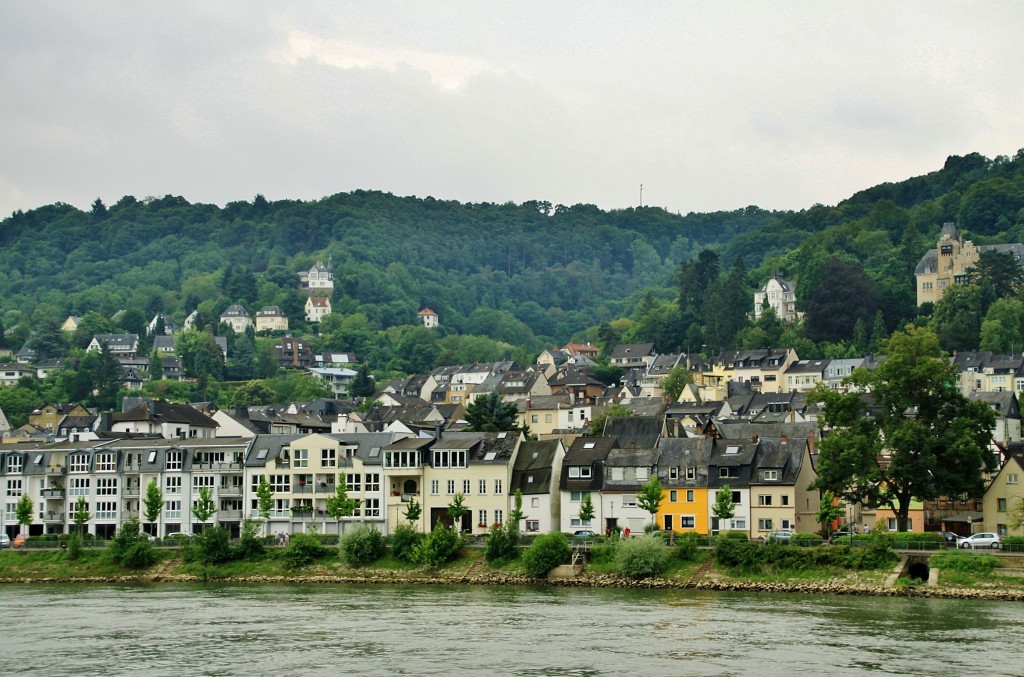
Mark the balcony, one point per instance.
(51, 516)
(133, 467)
(130, 491)
(219, 465)
(326, 488)
(302, 489)
(52, 493)
(229, 491)
(56, 470)
(229, 515)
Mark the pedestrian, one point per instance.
(625, 532)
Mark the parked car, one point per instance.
(844, 537)
(981, 540)
(950, 538)
(5, 541)
(19, 540)
(583, 533)
(780, 536)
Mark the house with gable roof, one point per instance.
(950, 261)
(317, 308)
(626, 470)
(683, 473)
(318, 279)
(237, 317)
(582, 475)
(780, 295)
(536, 475)
(120, 345)
(271, 318)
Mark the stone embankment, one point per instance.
(585, 580)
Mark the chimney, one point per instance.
(438, 430)
(529, 403)
(784, 439)
(754, 439)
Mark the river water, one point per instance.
(285, 630)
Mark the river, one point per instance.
(285, 630)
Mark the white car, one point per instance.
(982, 540)
(5, 541)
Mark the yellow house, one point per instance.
(49, 415)
(683, 473)
(779, 497)
(1001, 496)
(915, 517)
(403, 463)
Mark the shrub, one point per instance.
(303, 549)
(1013, 543)
(211, 546)
(641, 557)
(547, 552)
(440, 546)
(733, 535)
(502, 543)
(805, 540)
(74, 546)
(686, 547)
(130, 548)
(403, 542)
(250, 544)
(363, 545)
(965, 562)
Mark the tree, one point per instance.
(615, 411)
(957, 317)
(199, 353)
(1016, 517)
(650, 496)
(204, 507)
(456, 510)
(586, 509)
(921, 439)
(340, 505)
(829, 510)
(723, 508)
(516, 515)
(108, 378)
(23, 512)
(156, 368)
(81, 514)
(252, 393)
(264, 498)
(48, 341)
(413, 510)
(153, 502)
(362, 385)
(841, 296)
(675, 381)
(490, 414)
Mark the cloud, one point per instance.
(448, 72)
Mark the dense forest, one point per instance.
(509, 280)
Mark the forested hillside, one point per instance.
(505, 278)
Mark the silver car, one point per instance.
(981, 540)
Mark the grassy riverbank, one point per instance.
(962, 575)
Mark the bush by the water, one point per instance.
(805, 539)
(211, 546)
(304, 549)
(686, 547)
(403, 542)
(440, 546)
(547, 552)
(363, 545)
(502, 543)
(130, 548)
(749, 557)
(964, 562)
(641, 557)
(250, 544)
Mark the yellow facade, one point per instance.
(683, 507)
(1001, 497)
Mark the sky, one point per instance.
(707, 105)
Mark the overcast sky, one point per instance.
(710, 105)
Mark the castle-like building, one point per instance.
(780, 294)
(949, 262)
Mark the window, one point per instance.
(673, 496)
(686, 522)
(533, 418)
(301, 458)
(689, 495)
(14, 488)
(172, 485)
(199, 481)
(577, 496)
(481, 487)
(106, 510)
(106, 462)
(617, 474)
(372, 482)
(1011, 479)
(498, 488)
(769, 475)
(739, 524)
(532, 526)
(466, 487)
(451, 487)
(446, 458)
(15, 464)
(106, 486)
(173, 461)
(673, 473)
(784, 499)
(764, 500)
(534, 502)
(328, 458)
(1001, 504)
(499, 516)
(629, 501)
(353, 481)
(435, 487)
(172, 509)
(78, 463)
(1001, 530)
(547, 418)
(79, 486)
(891, 524)
(371, 507)
(691, 473)
(577, 522)
(642, 474)
(481, 517)
(736, 497)
(786, 524)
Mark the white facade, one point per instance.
(779, 294)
